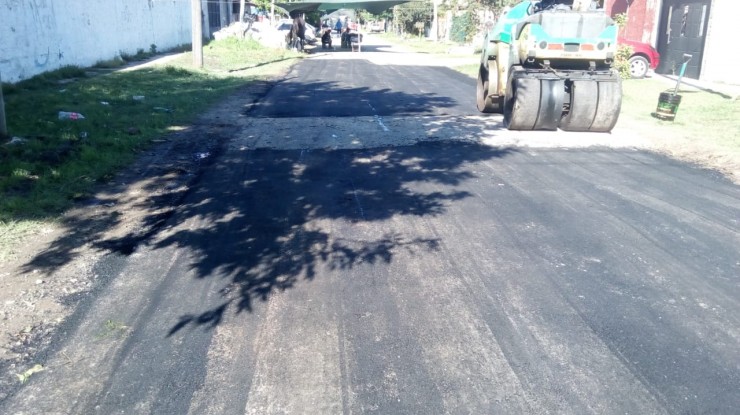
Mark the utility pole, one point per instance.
(434, 29)
(197, 24)
(3, 125)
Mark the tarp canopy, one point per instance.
(373, 6)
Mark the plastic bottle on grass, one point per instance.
(64, 115)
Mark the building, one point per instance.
(221, 13)
(721, 30)
(700, 28)
(41, 36)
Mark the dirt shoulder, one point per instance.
(694, 141)
(54, 271)
(690, 150)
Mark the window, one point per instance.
(684, 20)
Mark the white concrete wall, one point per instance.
(720, 51)
(42, 35)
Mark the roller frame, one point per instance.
(488, 99)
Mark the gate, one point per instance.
(683, 29)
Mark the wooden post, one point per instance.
(197, 24)
(241, 10)
(3, 125)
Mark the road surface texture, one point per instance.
(365, 242)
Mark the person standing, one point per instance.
(298, 31)
(338, 27)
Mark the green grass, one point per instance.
(113, 329)
(470, 70)
(702, 116)
(420, 45)
(60, 161)
(238, 58)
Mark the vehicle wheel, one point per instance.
(584, 100)
(608, 106)
(638, 67)
(521, 103)
(484, 102)
(533, 103)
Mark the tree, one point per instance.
(364, 16)
(496, 6)
(3, 125)
(408, 14)
(464, 26)
(466, 21)
(262, 4)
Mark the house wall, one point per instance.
(719, 52)
(642, 18)
(37, 36)
(644, 22)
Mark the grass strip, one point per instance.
(49, 163)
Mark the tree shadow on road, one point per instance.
(278, 217)
(263, 220)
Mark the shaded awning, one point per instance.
(373, 6)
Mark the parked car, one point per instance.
(643, 57)
(377, 27)
(284, 25)
(311, 34)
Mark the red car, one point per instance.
(643, 57)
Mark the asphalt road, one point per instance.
(353, 271)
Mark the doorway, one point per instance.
(683, 30)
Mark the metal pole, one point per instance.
(434, 29)
(197, 33)
(686, 59)
(3, 125)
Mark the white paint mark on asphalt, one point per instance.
(380, 121)
(357, 200)
(378, 118)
